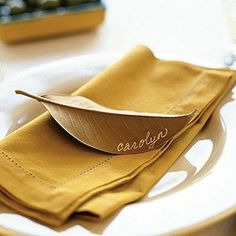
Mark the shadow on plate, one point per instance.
(199, 158)
(196, 162)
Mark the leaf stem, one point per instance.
(38, 98)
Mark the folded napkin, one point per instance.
(48, 175)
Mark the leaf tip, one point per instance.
(18, 91)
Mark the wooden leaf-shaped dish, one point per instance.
(109, 130)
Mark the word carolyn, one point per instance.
(149, 141)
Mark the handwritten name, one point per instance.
(148, 141)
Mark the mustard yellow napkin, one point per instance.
(48, 175)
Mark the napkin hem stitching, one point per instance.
(185, 95)
(88, 170)
(28, 172)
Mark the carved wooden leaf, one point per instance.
(109, 130)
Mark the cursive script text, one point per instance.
(148, 141)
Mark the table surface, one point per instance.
(186, 30)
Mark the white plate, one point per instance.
(197, 190)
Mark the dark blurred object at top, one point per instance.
(80, 15)
(24, 6)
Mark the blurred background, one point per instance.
(186, 29)
(195, 31)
